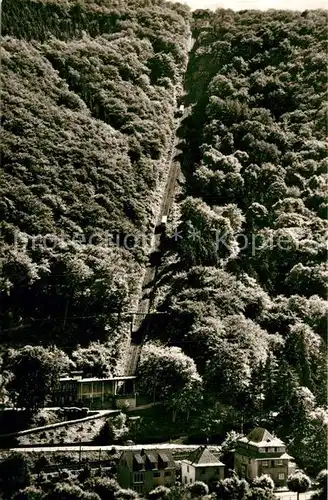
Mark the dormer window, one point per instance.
(164, 459)
(151, 462)
(138, 462)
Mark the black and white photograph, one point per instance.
(163, 250)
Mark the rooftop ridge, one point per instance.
(203, 456)
(259, 434)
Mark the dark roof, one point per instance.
(144, 457)
(203, 456)
(151, 457)
(138, 458)
(163, 456)
(259, 434)
(259, 440)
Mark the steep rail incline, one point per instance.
(144, 304)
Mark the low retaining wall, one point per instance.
(66, 423)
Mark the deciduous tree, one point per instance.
(35, 375)
(299, 482)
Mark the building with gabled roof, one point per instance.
(95, 392)
(260, 452)
(143, 470)
(201, 465)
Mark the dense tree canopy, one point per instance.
(299, 482)
(35, 375)
(89, 92)
(248, 302)
(168, 375)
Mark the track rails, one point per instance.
(144, 304)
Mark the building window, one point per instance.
(279, 462)
(217, 471)
(156, 474)
(281, 476)
(202, 471)
(138, 477)
(281, 449)
(265, 463)
(271, 450)
(187, 468)
(190, 480)
(138, 487)
(167, 473)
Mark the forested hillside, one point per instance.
(246, 292)
(89, 92)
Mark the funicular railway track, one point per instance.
(144, 304)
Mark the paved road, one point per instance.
(137, 447)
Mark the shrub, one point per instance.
(264, 481)
(126, 495)
(103, 486)
(299, 482)
(198, 489)
(260, 494)
(158, 493)
(29, 493)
